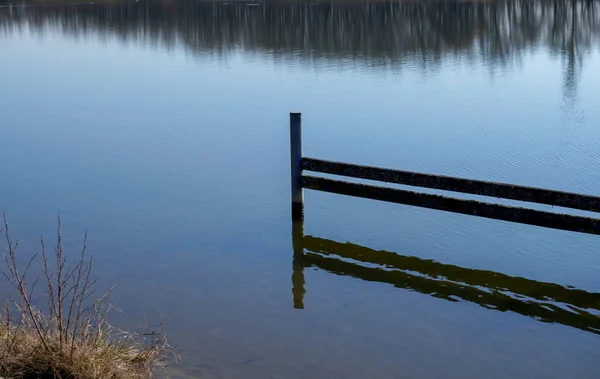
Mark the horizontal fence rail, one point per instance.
(449, 204)
(447, 183)
(574, 223)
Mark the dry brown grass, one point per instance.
(69, 337)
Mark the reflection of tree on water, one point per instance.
(371, 33)
(570, 52)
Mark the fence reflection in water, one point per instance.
(546, 302)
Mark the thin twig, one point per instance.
(21, 285)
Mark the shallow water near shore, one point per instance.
(162, 129)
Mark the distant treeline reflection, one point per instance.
(375, 33)
(546, 302)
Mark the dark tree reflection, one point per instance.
(376, 33)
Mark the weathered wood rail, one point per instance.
(522, 215)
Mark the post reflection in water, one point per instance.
(298, 280)
(546, 302)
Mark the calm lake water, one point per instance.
(162, 128)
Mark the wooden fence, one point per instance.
(523, 215)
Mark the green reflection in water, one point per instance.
(546, 302)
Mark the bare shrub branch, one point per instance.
(71, 337)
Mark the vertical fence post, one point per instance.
(296, 165)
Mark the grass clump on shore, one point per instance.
(69, 337)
